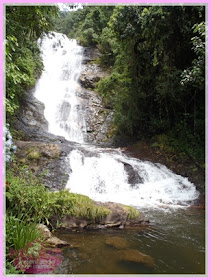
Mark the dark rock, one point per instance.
(30, 121)
(31, 113)
(133, 176)
(90, 54)
(98, 119)
(90, 75)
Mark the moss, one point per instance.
(33, 153)
(133, 213)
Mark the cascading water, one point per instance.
(57, 87)
(105, 177)
(176, 242)
(102, 174)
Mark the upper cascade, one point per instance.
(57, 86)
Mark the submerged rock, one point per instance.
(135, 256)
(117, 242)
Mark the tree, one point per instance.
(24, 25)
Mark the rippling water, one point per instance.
(176, 242)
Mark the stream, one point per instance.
(175, 238)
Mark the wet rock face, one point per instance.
(90, 54)
(48, 159)
(91, 74)
(133, 176)
(98, 119)
(30, 121)
(32, 113)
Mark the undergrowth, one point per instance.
(26, 195)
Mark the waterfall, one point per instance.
(100, 173)
(106, 176)
(57, 87)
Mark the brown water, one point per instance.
(175, 241)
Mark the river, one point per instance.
(175, 238)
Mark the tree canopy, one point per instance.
(156, 59)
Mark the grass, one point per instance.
(27, 196)
(19, 232)
(133, 213)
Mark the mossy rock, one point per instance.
(33, 155)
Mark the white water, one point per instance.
(99, 173)
(104, 178)
(57, 87)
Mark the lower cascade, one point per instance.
(100, 173)
(112, 176)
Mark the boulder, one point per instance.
(119, 217)
(50, 241)
(133, 176)
(45, 232)
(55, 242)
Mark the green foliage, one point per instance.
(19, 232)
(150, 48)
(27, 196)
(85, 24)
(156, 59)
(24, 25)
(10, 268)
